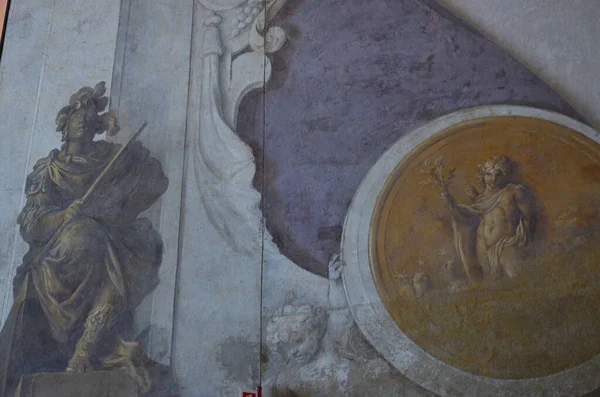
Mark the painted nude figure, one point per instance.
(491, 232)
(89, 262)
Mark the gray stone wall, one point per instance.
(555, 39)
(353, 77)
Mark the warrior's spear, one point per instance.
(8, 330)
(90, 191)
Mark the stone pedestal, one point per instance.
(93, 384)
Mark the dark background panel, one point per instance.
(352, 79)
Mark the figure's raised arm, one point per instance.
(460, 212)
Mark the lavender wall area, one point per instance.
(353, 78)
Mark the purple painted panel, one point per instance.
(354, 77)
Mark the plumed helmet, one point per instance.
(94, 100)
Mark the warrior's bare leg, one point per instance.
(100, 319)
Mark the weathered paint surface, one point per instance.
(353, 78)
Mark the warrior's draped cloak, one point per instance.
(107, 245)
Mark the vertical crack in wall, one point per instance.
(183, 175)
(263, 201)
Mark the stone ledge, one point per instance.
(94, 384)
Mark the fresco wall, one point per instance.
(408, 63)
(264, 117)
(553, 46)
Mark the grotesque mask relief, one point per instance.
(91, 260)
(321, 352)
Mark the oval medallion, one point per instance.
(472, 254)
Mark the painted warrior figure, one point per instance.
(490, 233)
(90, 261)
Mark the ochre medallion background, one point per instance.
(542, 321)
